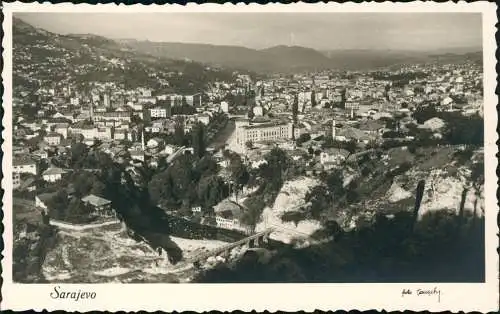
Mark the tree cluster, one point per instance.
(69, 208)
(188, 182)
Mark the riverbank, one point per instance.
(109, 255)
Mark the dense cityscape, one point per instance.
(132, 167)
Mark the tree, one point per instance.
(424, 113)
(390, 123)
(98, 188)
(179, 135)
(464, 130)
(320, 199)
(275, 168)
(343, 96)
(351, 146)
(295, 108)
(252, 214)
(198, 140)
(334, 182)
(418, 198)
(78, 212)
(181, 174)
(82, 183)
(477, 178)
(303, 138)
(58, 204)
(250, 113)
(78, 152)
(135, 119)
(174, 184)
(249, 144)
(239, 172)
(313, 98)
(206, 166)
(211, 190)
(160, 188)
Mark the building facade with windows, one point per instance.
(270, 131)
(24, 165)
(16, 180)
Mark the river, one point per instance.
(221, 138)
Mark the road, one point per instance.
(176, 154)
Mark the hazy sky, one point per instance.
(405, 31)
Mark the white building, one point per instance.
(333, 155)
(41, 200)
(169, 149)
(75, 101)
(258, 111)
(53, 139)
(227, 223)
(155, 142)
(270, 131)
(62, 128)
(24, 165)
(120, 134)
(158, 112)
(104, 133)
(53, 174)
(224, 106)
(137, 155)
(205, 119)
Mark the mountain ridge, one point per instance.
(279, 58)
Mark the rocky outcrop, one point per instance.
(443, 190)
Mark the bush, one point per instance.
(303, 138)
(294, 216)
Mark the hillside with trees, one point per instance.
(98, 59)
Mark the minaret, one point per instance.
(333, 129)
(91, 111)
(142, 141)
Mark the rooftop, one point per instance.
(53, 170)
(265, 125)
(46, 196)
(22, 160)
(227, 209)
(95, 200)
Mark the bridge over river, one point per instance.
(254, 240)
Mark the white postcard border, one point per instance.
(272, 297)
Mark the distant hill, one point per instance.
(226, 56)
(274, 59)
(294, 58)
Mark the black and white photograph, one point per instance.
(248, 147)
